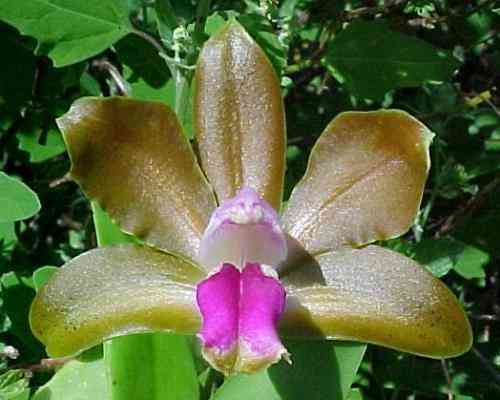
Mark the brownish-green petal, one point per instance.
(239, 118)
(364, 181)
(377, 296)
(132, 157)
(114, 291)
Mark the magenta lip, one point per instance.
(240, 312)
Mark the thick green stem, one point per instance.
(155, 366)
(182, 90)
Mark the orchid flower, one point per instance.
(217, 257)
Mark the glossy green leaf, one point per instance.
(319, 370)
(141, 90)
(377, 296)
(107, 232)
(238, 112)
(132, 157)
(371, 59)
(69, 30)
(14, 385)
(76, 381)
(471, 263)
(17, 201)
(7, 235)
(442, 255)
(438, 255)
(155, 366)
(355, 394)
(114, 291)
(42, 275)
(166, 19)
(364, 181)
(30, 142)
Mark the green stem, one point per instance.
(424, 216)
(182, 91)
(154, 366)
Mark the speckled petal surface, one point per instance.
(243, 229)
(115, 291)
(377, 296)
(240, 311)
(364, 181)
(238, 116)
(132, 157)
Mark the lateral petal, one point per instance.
(132, 157)
(364, 181)
(114, 291)
(377, 296)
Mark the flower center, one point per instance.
(243, 229)
(242, 302)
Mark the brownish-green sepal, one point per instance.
(114, 291)
(377, 296)
(364, 181)
(239, 117)
(132, 157)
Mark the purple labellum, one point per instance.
(240, 312)
(243, 229)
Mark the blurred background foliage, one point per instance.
(437, 59)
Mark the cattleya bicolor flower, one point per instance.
(217, 258)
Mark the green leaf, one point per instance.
(42, 275)
(442, 255)
(476, 27)
(141, 90)
(166, 19)
(371, 59)
(38, 152)
(438, 255)
(214, 23)
(156, 366)
(89, 85)
(471, 263)
(17, 200)
(7, 236)
(76, 381)
(69, 31)
(319, 370)
(14, 385)
(355, 394)
(107, 232)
